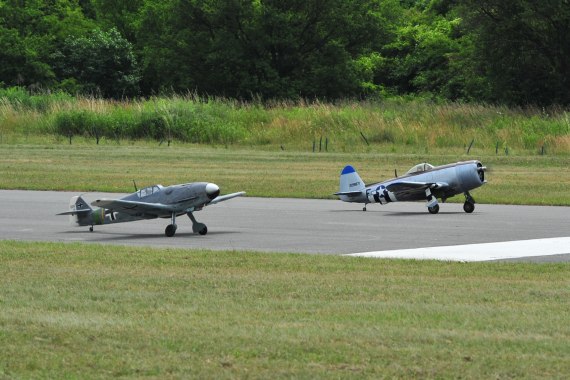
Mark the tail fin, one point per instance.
(79, 211)
(350, 182)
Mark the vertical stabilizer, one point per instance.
(79, 211)
(350, 181)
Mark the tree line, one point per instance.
(511, 52)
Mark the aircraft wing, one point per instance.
(226, 197)
(408, 187)
(132, 207)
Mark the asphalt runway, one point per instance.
(292, 225)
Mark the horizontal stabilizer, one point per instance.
(226, 197)
(76, 212)
(349, 193)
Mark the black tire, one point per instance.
(433, 209)
(170, 230)
(203, 231)
(468, 207)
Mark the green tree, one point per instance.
(275, 49)
(103, 63)
(119, 14)
(30, 31)
(522, 49)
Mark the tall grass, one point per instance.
(348, 126)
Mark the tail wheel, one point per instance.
(433, 209)
(468, 207)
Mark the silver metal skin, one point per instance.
(423, 182)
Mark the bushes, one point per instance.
(22, 100)
(390, 123)
(193, 123)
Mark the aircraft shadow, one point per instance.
(115, 236)
(399, 213)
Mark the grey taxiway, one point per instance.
(292, 225)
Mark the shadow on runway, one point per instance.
(401, 213)
(104, 236)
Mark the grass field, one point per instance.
(542, 180)
(87, 311)
(96, 311)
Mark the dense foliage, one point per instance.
(500, 51)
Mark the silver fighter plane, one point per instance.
(149, 203)
(422, 182)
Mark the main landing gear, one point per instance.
(433, 209)
(171, 228)
(469, 205)
(197, 227)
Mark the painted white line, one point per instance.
(479, 252)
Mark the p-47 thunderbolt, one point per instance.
(149, 203)
(422, 182)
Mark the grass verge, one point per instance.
(91, 311)
(541, 180)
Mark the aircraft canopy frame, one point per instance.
(422, 167)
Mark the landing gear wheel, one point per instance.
(433, 209)
(468, 207)
(199, 228)
(91, 229)
(170, 230)
(364, 208)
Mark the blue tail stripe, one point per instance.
(347, 170)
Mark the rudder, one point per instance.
(79, 211)
(350, 181)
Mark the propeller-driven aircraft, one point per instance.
(421, 182)
(149, 203)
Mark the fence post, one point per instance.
(470, 145)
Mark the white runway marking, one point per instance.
(479, 252)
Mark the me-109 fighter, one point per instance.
(149, 203)
(422, 182)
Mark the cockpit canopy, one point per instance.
(149, 191)
(424, 166)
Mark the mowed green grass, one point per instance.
(95, 311)
(83, 167)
